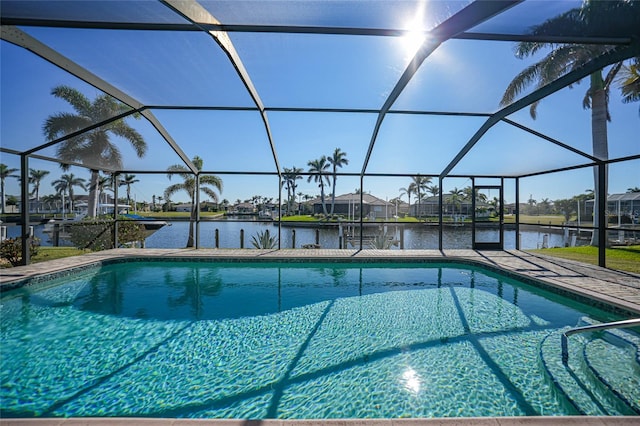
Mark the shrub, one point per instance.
(11, 250)
(97, 234)
(383, 241)
(264, 240)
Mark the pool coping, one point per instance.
(600, 287)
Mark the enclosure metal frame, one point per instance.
(456, 27)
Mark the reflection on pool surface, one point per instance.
(294, 340)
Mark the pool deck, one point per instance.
(616, 288)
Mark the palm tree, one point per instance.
(104, 183)
(337, 160)
(406, 191)
(456, 197)
(35, 177)
(127, 181)
(300, 194)
(189, 186)
(566, 207)
(420, 185)
(590, 18)
(634, 189)
(51, 199)
(318, 169)
(5, 172)
(92, 148)
(290, 177)
(434, 190)
(544, 206)
(629, 81)
(65, 185)
(532, 203)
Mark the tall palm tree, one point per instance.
(35, 177)
(406, 191)
(104, 183)
(318, 169)
(51, 199)
(420, 184)
(65, 185)
(128, 180)
(591, 18)
(188, 185)
(5, 172)
(92, 148)
(295, 176)
(290, 177)
(455, 198)
(434, 190)
(337, 160)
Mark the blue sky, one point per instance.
(313, 71)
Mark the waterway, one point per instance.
(175, 235)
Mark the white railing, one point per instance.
(605, 326)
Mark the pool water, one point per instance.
(294, 340)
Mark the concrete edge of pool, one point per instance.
(469, 421)
(619, 289)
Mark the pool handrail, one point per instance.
(595, 327)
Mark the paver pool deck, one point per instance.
(619, 289)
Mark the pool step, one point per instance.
(618, 353)
(584, 383)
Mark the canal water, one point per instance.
(175, 235)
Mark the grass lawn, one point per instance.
(553, 219)
(625, 258)
(49, 253)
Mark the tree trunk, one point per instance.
(599, 141)
(192, 219)
(3, 197)
(333, 194)
(92, 204)
(324, 205)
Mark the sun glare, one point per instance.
(414, 34)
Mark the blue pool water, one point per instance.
(298, 340)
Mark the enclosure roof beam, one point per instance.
(298, 29)
(200, 17)
(608, 58)
(472, 15)
(18, 37)
(550, 139)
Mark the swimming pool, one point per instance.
(305, 340)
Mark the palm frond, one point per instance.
(172, 189)
(181, 169)
(211, 180)
(80, 103)
(62, 124)
(210, 192)
(122, 129)
(628, 79)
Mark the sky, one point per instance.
(307, 71)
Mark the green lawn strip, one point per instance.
(51, 253)
(625, 258)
